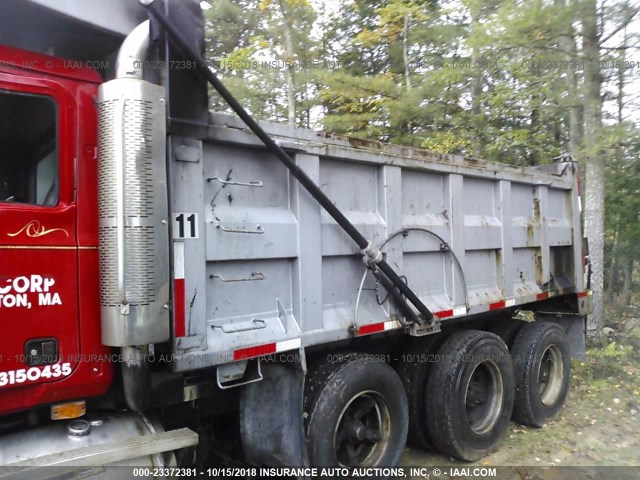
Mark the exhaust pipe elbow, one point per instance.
(133, 52)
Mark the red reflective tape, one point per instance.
(542, 296)
(497, 305)
(251, 352)
(374, 328)
(178, 312)
(583, 294)
(444, 313)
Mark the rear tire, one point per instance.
(414, 368)
(470, 394)
(357, 414)
(543, 368)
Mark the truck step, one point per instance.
(96, 455)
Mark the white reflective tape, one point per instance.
(178, 260)
(391, 325)
(510, 302)
(288, 344)
(460, 311)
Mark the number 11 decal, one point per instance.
(185, 225)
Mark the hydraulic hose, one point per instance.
(385, 274)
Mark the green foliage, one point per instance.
(601, 363)
(246, 40)
(623, 188)
(446, 142)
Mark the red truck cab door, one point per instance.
(38, 247)
(41, 359)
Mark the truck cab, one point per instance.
(51, 347)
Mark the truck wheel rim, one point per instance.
(483, 397)
(550, 375)
(361, 436)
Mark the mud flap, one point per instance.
(271, 419)
(575, 328)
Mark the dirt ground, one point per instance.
(598, 427)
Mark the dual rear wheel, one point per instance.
(470, 394)
(475, 384)
(542, 366)
(454, 394)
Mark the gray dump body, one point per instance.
(269, 266)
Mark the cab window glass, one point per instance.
(28, 142)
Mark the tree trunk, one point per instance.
(628, 283)
(595, 174)
(621, 82)
(567, 44)
(534, 120)
(613, 265)
(476, 85)
(405, 60)
(290, 56)
(405, 51)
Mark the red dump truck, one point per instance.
(177, 283)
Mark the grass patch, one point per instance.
(610, 365)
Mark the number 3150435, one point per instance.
(33, 374)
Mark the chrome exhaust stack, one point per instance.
(133, 52)
(133, 215)
(132, 202)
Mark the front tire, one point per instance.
(542, 366)
(357, 414)
(470, 394)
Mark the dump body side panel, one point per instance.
(263, 269)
